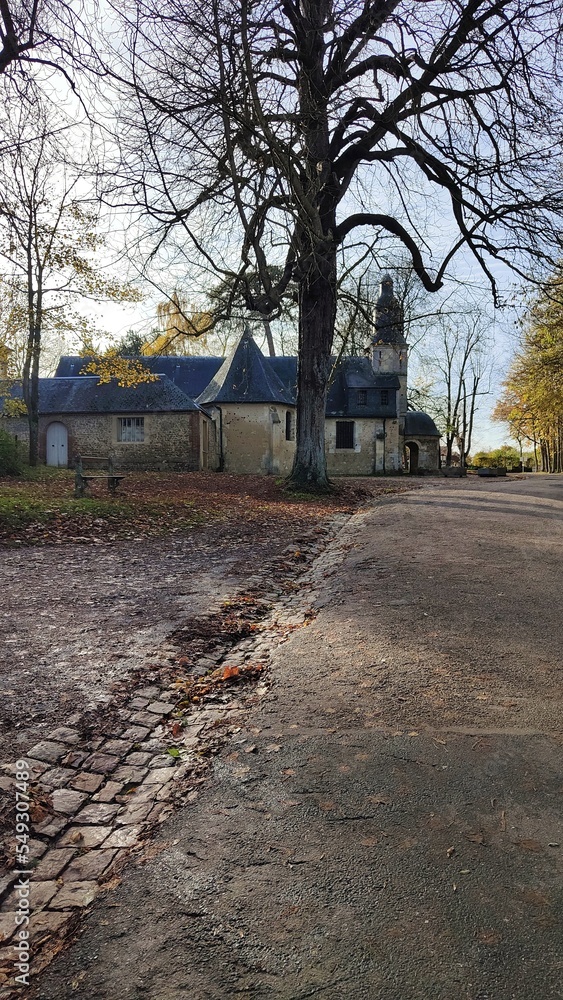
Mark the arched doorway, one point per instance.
(411, 451)
(57, 444)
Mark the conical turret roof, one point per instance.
(245, 377)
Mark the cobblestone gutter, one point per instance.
(93, 801)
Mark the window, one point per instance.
(289, 426)
(130, 428)
(362, 397)
(344, 433)
(385, 397)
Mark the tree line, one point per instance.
(277, 145)
(532, 399)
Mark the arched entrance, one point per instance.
(411, 454)
(57, 444)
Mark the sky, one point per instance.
(117, 319)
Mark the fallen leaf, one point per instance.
(488, 937)
(529, 845)
(475, 838)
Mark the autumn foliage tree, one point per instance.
(297, 132)
(48, 243)
(532, 400)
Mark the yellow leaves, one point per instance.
(108, 365)
(14, 408)
(184, 328)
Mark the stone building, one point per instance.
(237, 414)
(152, 425)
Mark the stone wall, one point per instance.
(171, 440)
(428, 452)
(253, 438)
(376, 448)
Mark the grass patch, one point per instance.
(39, 507)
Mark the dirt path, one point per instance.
(386, 822)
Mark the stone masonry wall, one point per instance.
(172, 440)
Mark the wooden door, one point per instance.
(57, 444)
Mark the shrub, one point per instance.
(11, 463)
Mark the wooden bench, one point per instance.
(82, 481)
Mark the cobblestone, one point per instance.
(67, 801)
(91, 865)
(102, 763)
(96, 812)
(99, 822)
(137, 812)
(51, 866)
(74, 758)
(118, 747)
(57, 777)
(125, 837)
(159, 776)
(144, 719)
(51, 826)
(130, 775)
(75, 894)
(138, 703)
(160, 707)
(64, 734)
(87, 782)
(136, 733)
(7, 927)
(47, 751)
(108, 792)
(137, 759)
(85, 836)
(46, 922)
(41, 894)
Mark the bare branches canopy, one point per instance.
(280, 138)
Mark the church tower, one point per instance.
(389, 347)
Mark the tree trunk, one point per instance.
(317, 314)
(31, 396)
(269, 338)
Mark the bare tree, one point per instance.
(47, 33)
(455, 368)
(48, 244)
(300, 130)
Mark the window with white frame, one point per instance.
(131, 429)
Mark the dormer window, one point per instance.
(385, 397)
(362, 397)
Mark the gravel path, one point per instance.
(385, 823)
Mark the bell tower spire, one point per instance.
(389, 347)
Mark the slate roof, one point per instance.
(190, 374)
(357, 373)
(419, 424)
(246, 376)
(389, 319)
(83, 394)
